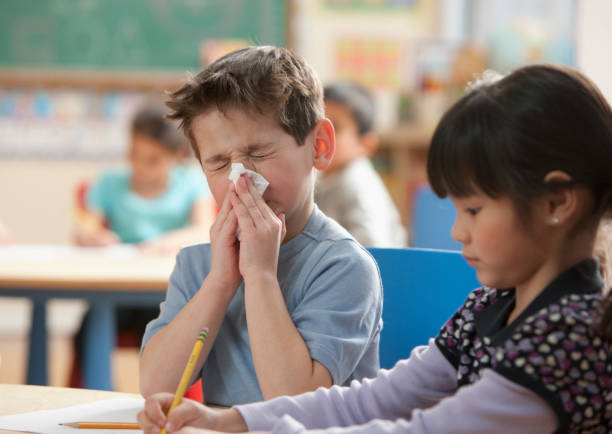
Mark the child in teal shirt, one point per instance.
(155, 203)
(137, 219)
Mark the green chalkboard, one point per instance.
(130, 34)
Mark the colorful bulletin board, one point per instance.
(65, 123)
(374, 62)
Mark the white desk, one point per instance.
(106, 277)
(15, 399)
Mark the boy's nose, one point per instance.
(248, 164)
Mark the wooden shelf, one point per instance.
(84, 78)
(410, 136)
(407, 146)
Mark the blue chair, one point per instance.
(432, 220)
(422, 289)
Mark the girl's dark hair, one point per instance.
(357, 99)
(150, 121)
(503, 138)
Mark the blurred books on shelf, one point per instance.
(65, 123)
(400, 161)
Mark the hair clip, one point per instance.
(487, 78)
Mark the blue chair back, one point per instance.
(422, 289)
(432, 220)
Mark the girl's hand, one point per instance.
(224, 247)
(261, 231)
(189, 417)
(188, 413)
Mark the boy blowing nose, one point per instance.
(294, 302)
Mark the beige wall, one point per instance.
(592, 45)
(37, 197)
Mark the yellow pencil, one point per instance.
(182, 387)
(102, 425)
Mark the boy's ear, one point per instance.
(561, 203)
(324, 145)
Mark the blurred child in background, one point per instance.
(350, 191)
(155, 203)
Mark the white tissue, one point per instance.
(259, 181)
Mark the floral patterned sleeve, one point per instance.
(458, 331)
(558, 354)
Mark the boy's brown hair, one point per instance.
(259, 80)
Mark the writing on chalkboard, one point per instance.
(135, 34)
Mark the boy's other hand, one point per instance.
(224, 256)
(261, 231)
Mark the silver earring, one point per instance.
(555, 220)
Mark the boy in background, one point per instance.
(295, 303)
(350, 190)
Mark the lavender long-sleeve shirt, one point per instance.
(419, 395)
(546, 369)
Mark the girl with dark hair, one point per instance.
(526, 159)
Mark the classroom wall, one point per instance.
(37, 197)
(594, 33)
(380, 43)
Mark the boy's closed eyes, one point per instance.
(256, 151)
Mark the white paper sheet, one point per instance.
(47, 421)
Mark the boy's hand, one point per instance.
(224, 247)
(261, 230)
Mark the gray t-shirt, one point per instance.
(333, 292)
